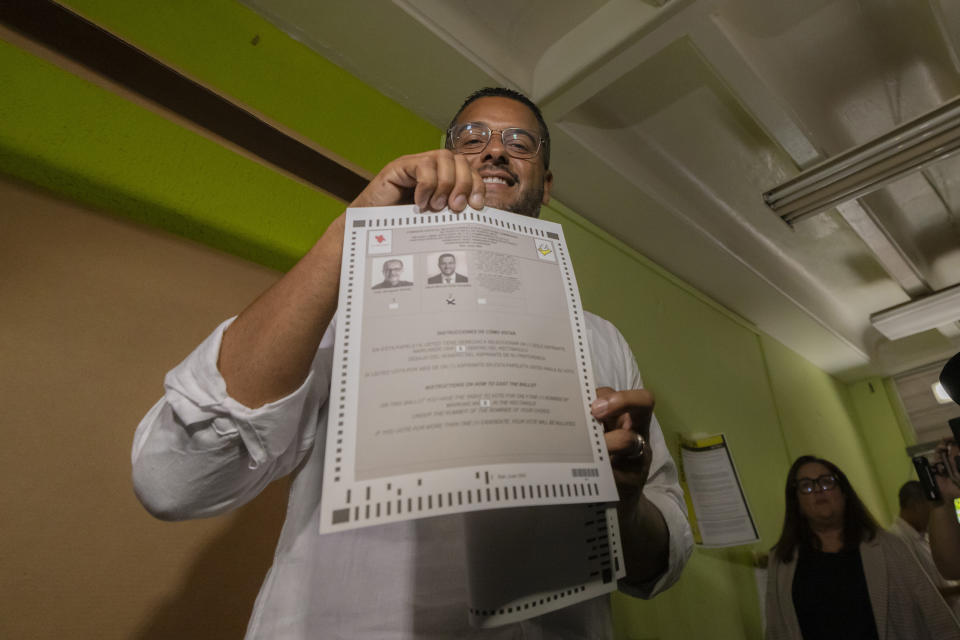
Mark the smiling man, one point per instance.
(520, 179)
(248, 406)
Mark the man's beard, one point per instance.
(529, 204)
(530, 200)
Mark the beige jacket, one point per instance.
(906, 606)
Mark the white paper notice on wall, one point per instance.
(461, 378)
(721, 516)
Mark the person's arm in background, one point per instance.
(244, 407)
(943, 528)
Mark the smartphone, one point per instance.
(925, 472)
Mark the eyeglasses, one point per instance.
(473, 137)
(825, 482)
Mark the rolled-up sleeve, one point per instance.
(198, 452)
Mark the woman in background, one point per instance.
(835, 574)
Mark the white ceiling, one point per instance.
(670, 119)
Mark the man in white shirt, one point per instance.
(247, 407)
(911, 527)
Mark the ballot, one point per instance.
(461, 384)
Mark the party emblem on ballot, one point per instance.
(379, 241)
(545, 251)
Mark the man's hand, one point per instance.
(625, 414)
(644, 534)
(430, 180)
(268, 350)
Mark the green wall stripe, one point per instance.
(231, 49)
(53, 26)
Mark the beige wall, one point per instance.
(93, 311)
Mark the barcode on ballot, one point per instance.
(585, 473)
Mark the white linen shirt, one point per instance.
(200, 453)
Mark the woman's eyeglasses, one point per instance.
(825, 482)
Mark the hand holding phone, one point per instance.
(927, 472)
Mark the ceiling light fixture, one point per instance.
(930, 312)
(863, 169)
(940, 393)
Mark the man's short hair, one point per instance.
(397, 260)
(911, 493)
(446, 255)
(503, 92)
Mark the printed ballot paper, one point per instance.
(461, 384)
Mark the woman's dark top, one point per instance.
(830, 596)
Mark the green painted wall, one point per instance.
(706, 369)
(710, 370)
(885, 436)
(817, 417)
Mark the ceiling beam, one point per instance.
(888, 253)
(766, 107)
